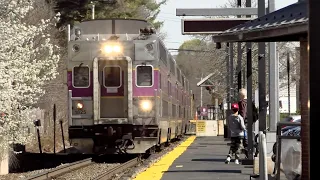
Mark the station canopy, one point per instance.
(287, 24)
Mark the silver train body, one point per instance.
(126, 93)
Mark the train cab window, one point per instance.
(144, 76)
(112, 76)
(81, 77)
(163, 53)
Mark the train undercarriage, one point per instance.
(119, 138)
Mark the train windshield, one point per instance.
(112, 76)
(81, 77)
(144, 76)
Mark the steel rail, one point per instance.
(117, 169)
(56, 172)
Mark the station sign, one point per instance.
(210, 26)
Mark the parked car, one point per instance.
(284, 129)
(293, 118)
(290, 150)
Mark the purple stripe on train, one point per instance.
(80, 92)
(145, 91)
(137, 91)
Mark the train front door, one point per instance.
(113, 89)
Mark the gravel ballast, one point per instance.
(18, 176)
(87, 173)
(133, 172)
(93, 170)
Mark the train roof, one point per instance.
(112, 26)
(130, 19)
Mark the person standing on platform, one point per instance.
(243, 112)
(237, 127)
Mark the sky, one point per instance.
(172, 23)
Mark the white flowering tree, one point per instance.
(28, 60)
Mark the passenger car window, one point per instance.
(81, 76)
(144, 76)
(112, 76)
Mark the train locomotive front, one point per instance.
(113, 81)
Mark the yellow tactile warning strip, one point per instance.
(156, 171)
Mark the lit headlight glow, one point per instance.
(79, 105)
(112, 48)
(146, 105)
(107, 49)
(117, 49)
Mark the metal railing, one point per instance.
(263, 169)
(280, 137)
(214, 114)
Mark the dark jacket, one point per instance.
(243, 108)
(236, 125)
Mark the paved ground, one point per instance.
(204, 160)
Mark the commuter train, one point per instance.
(126, 92)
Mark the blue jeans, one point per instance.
(245, 134)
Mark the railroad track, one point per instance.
(56, 172)
(117, 169)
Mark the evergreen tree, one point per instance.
(77, 10)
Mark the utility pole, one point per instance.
(288, 72)
(274, 114)
(228, 89)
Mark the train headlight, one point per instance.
(146, 105)
(107, 49)
(117, 49)
(79, 105)
(112, 48)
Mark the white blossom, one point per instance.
(28, 60)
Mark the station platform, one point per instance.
(198, 158)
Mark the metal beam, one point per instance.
(249, 96)
(282, 33)
(262, 75)
(217, 11)
(249, 101)
(189, 50)
(262, 87)
(231, 56)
